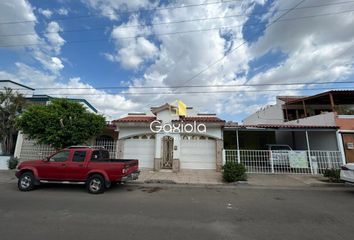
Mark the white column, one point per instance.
(340, 146)
(18, 146)
(238, 147)
(309, 150)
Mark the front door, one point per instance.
(55, 167)
(167, 150)
(348, 142)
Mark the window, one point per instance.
(60, 157)
(95, 156)
(105, 154)
(79, 156)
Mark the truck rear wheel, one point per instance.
(95, 184)
(26, 181)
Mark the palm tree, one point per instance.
(11, 104)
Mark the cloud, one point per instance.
(45, 49)
(318, 49)
(132, 49)
(53, 36)
(112, 8)
(111, 105)
(315, 49)
(181, 56)
(14, 11)
(63, 11)
(45, 12)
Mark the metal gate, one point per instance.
(285, 162)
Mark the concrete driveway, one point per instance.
(176, 212)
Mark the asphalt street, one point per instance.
(176, 212)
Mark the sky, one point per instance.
(129, 55)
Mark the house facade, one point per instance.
(162, 139)
(329, 109)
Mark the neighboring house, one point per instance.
(25, 90)
(328, 109)
(27, 149)
(45, 99)
(187, 149)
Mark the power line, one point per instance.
(167, 23)
(181, 32)
(192, 86)
(193, 92)
(128, 12)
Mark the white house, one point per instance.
(161, 139)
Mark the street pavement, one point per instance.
(176, 212)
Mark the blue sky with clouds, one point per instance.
(76, 47)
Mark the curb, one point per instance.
(243, 185)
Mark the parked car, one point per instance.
(347, 173)
(279, 154)
(79, 164)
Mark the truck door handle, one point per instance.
(63, 164)
(81, 165)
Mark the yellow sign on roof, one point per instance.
(181, 108)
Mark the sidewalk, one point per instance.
(212, 178)
(209, 177)
(289, 180)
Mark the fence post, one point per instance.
(223, 157)
(271, 161)
(309, 150)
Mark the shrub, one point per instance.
(332, 174)
(13, 162)
(233, 172)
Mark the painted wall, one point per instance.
(324, 119)
(272, 114)
(125, 132)
(166, 117)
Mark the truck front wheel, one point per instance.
(26, 181)
(95, 184)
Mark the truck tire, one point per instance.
(26, 182)
(95, 184)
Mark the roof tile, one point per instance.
(136, 119)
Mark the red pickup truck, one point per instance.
(84, 165)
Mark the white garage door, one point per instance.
(141, 149)
(198, 153)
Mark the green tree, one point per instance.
(11, 103)
(61, 123)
